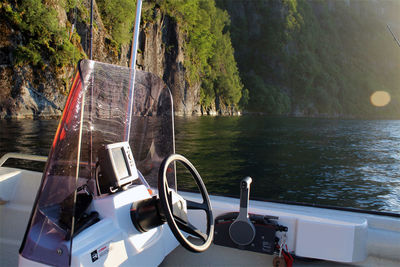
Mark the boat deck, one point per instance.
(223, 256)
(383, 231)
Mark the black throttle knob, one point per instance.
(242, 230)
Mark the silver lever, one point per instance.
(242, 230)
(244, 196)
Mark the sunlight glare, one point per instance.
(380, 98)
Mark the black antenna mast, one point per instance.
(394, 36)
(91, 30)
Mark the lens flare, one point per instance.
(380, 98)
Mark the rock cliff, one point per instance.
(30, 91)
(26, 91)
(161, 53)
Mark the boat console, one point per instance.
(241, 230)
(172, 208)
(114, 145)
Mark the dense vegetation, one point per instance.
(118, 17)
(209, 57)
(44, 42)
(316, 57)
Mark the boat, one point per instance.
(108, 196)
(85, 214)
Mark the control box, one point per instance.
(265, 230)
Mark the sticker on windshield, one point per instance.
(98, 253)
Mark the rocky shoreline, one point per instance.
(40, 91)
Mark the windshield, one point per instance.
(97, 114)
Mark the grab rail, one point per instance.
(12, 155)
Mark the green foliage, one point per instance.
(118, 17)
(208, 50)
(267, 98)
(209, 55)
(293, 19)
(194, 20)
(245, 98)
(29, 53)
(317, 57)
(45, 42)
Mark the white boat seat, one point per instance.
(18, 190)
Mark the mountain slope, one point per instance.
(184, 42)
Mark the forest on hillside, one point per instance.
(313, 58)
(278, 57)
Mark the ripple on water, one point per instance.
(348, 163)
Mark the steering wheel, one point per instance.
(175, 207)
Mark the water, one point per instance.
(29, 137)
(347, 163)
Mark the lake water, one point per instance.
(347, 163)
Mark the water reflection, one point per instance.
(348, 163)
(210, 145)
(27, 136)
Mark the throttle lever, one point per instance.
(242, 230)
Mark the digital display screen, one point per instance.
(120, 163)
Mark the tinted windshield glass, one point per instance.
(96, 114)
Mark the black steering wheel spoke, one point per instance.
(191, 205)
(176, 213)
(190, 229)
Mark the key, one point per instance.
(279, 262)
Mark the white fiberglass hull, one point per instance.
(332, 235)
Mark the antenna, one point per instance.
(91, 30)
(132, 65)
(394, 36)
(135, 35)
(91, 94)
